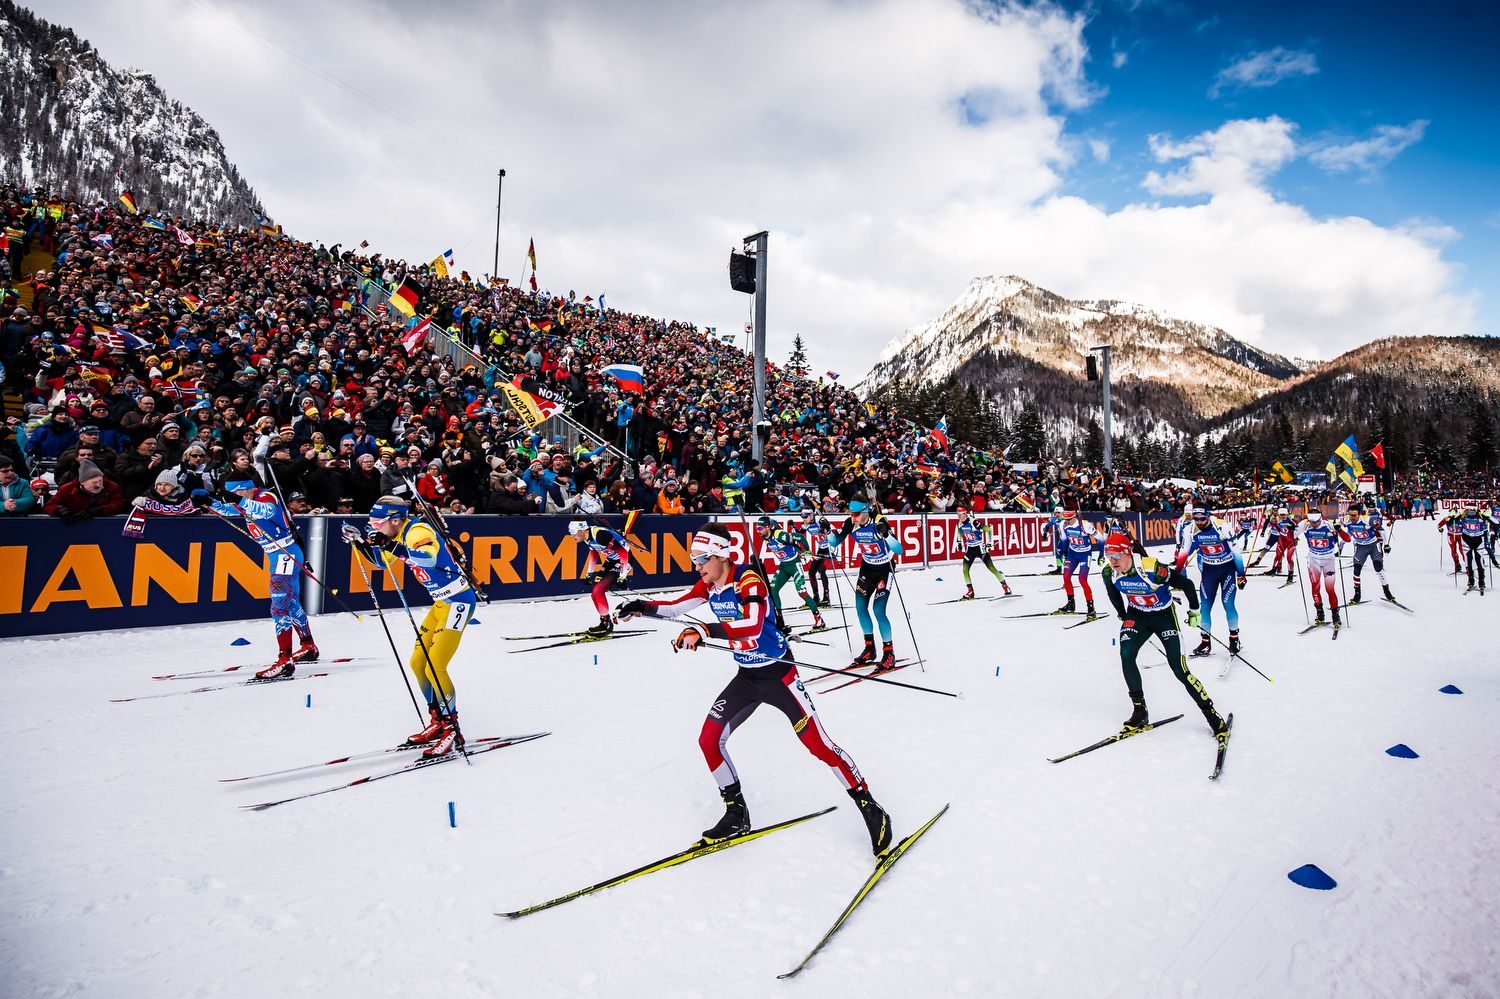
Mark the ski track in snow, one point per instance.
(127, 870)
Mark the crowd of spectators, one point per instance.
(155, 356)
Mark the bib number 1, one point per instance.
(283, 565)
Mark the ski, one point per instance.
(1319, 624)
(252, 682)
(1289, 582)
(962, 600)
(699, 849)
(1116, 738)
(582, 641)
(404, 747)
(1393, 600)
(900, 664)
(1056, 613)
(565, 634)
(826, 627)
(1336, 628)
(884, 864)
(471, 750)
(1223, 738)
(255, 666)
(1088, 619)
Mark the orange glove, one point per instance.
(690, 639)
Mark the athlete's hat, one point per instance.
(1117, 544)
(235, 485)
(858, 506)
(574, 526)
(706, 545)
(1315, 515)
(387, 511)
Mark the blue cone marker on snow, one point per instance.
(938, 580)
(452, 820)
(475, 620)
(240, 641)
(309, 700)
(1450, 689)
(1312, 876)
(1402, 750)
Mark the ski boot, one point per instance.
(1215, 723)
(1005, 586)
(887, 659)
(1387, 590)
(1055, 571)
(876, 819)
(432, 731)
(818, 624)
(284, 666)
(1089, 608)
(449, 741)
(736, 818)
(1068, 608)
(306, 653)
(1139, 718)
(1356, 595)
(1234, 641)
(968, 593)
(1319, 618)
(867, 657)
(1336, 622)
(605, 626)
(1205, 647)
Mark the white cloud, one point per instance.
(1100, 149)
(1383, 145)
(1120, 59)
(894, 149)
(1263, 69)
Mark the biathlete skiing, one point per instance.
(394, 536)
(817, 532)
(740, 600)
(786, 550)
(608, 566)
(1284, 530)
(1323, 546)
(877, 547)
(1142, 597)
(1452, 522)
(267, 522)
(977, 540)
(1371, 544)
(1080, 539)
(1474, 535)
(1220, 573)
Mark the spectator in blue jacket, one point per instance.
(16, 497)
(52, 438)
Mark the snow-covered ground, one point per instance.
(126, 869)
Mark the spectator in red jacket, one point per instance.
(433, 484)
(90, 495)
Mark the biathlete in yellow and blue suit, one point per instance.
(399, 538)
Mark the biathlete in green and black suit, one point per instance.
(1143, 599)
(977, 539)
(786, 551)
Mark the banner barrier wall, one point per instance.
(56, 579)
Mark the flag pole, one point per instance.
(499, 189)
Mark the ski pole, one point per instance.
(1306, 617)
(1236, 655)
(437, 688)
(399, 664)
(843, 614)
(1343, 591)
(843, 672)
(909, 630)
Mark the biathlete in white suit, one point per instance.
(739, 599)
(267, 522)
(1323, 546)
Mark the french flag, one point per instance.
(941, 432)
(630, 377)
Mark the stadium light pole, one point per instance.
(499, 189)
(1109, 439)
(761, 241)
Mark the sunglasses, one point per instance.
(701, 559)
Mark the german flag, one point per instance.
(127, 199)
(539, 327)
(193, 302)
(404, 298)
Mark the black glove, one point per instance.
(351, 533)
(376, 539)
(71, 517)
(882, 529)
(640, 607)
(1387, 549)
(200, 498)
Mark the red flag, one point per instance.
(414, 336)
(1378, 453)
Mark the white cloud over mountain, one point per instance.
(894, 149)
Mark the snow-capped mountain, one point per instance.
(1015, 340)
(74, 125)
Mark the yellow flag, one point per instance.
(439, 267)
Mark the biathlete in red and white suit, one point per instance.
(739, 599)
(608, 566)
(1284, 530)
(1324, 541)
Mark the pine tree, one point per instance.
(1479, 446)
(796, 364)
(1093, 448)
(1029, 436)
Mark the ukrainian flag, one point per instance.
(1349, 451)
(1348, 480)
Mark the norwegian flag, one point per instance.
(414, 336)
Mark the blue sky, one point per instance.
(1374, 64)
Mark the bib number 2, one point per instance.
(458, 616)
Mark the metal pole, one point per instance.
(1109, 439)
(762, 240)
(499, 188)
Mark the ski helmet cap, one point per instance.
(1283, 511)
(706, 546)
(388, 511)
(1315, 515)
(1200, 513)
(235, 485)
(858, 506)
(1117, 544)
(962, 509)
(766, 523)
(1069, 514)
(577, 526)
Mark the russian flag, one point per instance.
(630, 377)
(941, 432)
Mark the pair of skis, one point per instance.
(570, 638)
(702, 849)
(1337, 625)
(254, 681)
(878, 671)
(960, 600)
(475, 747)
(1222, 738)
